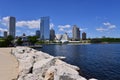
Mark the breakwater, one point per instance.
(37, 65)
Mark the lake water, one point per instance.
(101, 61)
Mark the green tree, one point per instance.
(9, 40)
(19, 41)
(32, 39)
(3, 43)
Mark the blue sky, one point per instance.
(95, 17)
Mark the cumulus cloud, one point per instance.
(83, 29)
(106, 27)
(101, 29)
(4, 21)
(68, 31)
(109, 25)
(64, 27)
(61, 29)
(30, 24)
(2, 30)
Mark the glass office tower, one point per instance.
(44, 28)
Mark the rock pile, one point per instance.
(37, 65)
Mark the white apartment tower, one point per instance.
(76, 33)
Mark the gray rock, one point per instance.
(32, 77)
(60, 62)
(62, 72)
(26, 62)
(40, 67)
(40, 56)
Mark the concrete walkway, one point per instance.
(8, 65)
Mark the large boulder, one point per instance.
(62, 72)
(32, 77)
(40, 67)
(60, 62)
(25, 64)
(41, 55)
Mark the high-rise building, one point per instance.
(52, 34)
(12, 28)
(38, 33)
(83, 36)
(76, 33)
(44, 28)
(5, 34)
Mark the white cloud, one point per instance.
(2, 30)
(83, 29)
(4, 21)
(64, 27)
(68, 31)
(61, 29)
(107, 26)
(30, 24)
(101, 29)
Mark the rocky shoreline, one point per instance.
(37, 65)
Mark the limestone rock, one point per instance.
(60, 62)
(40, 67)
(62, 72)
(32, 77)
(25, 63)
(40, 56)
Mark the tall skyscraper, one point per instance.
(83, 36)
(52, 34)
(38, 33)
(12, 28)
(44, 28)
(76, 33)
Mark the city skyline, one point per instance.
(96, 18)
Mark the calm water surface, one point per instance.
(101, 61)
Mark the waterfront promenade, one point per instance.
(8, 65)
